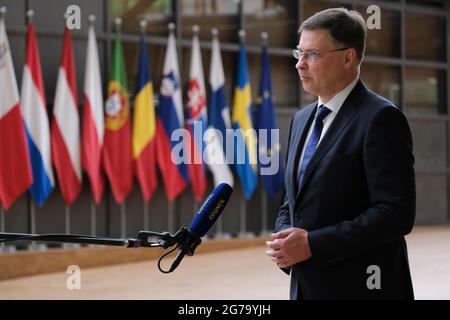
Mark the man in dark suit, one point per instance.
(350, 183)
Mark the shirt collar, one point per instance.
(338, 99)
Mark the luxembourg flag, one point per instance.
(15, 168)
(65, 135)
(170, 118)
(196, 121)
(93, 119)
(218, 119)
(34, 113)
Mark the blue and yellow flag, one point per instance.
(272, 172)
(245, 144)
(144, 127)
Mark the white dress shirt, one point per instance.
(334, 105)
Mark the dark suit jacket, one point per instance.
(356, 200)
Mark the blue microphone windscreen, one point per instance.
(211, 209)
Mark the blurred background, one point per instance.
(407, 61)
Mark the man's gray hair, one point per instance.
(346, 27)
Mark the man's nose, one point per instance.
(301, 64)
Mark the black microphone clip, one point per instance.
(186, 240)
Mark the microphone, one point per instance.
(206, 216)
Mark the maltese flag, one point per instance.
(15, 168)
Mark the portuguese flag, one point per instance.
(117, 160)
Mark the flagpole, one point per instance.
(33, 244)
(67, 219)
(243, 207)
(93, 218)
(264, 230)
(68, 228)
(145, 215)
(2, 13)
(219, 231)
(170, 213)
(143, 26)
(123, 220)
(243, 222)
(2, 213)
(145, 218)
(93, 205)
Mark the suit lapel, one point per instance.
(339, 123)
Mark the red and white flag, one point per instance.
(15, 167)
(196, 120)
(93, 119)
(65, 133)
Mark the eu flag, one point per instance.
(265, 119)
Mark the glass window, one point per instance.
(208, 14)
(276, 17)
(425, 37)
(382, 79)
(157, 12)
(310, 7)
(425, 91)
(431, 3)
(384, 41)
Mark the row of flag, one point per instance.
(30, 144)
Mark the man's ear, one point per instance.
(350, 56)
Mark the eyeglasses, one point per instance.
(312, 56)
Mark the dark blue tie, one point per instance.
(311, 146)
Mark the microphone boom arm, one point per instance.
(182, 238)
(166, 240)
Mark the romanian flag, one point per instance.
(117, 140)
(245, 144)
(144, 128)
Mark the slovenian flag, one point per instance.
(170, 118)
(15, 167)
(65, 135)
(34, 112)
(245, 153)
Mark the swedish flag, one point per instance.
(245, 155)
